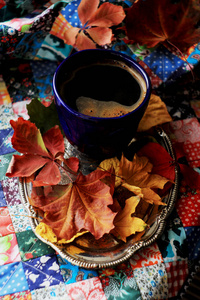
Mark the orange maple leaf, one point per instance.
(137, 173)
(174, 23)
(125, 222)
(95, 24)
(81, 205)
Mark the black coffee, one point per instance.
(107, 89)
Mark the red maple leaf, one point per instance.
(151, 22)
(81, 205)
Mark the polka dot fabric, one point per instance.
(163, 63)
(188, 209)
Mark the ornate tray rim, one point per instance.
(159, 223)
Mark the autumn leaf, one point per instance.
(40, 154)
(95, 24)
(163, 163)
(125, 223)
(155, 114)
(137, 173)
(47, 233)
(81, 205)
(39, 114)
(151, 22)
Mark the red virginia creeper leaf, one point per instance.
(100, 35)
(84, 42)
(86, 9)
(27, 138)
(107, 15)
(24, 166)
(53, 141)
(70, 35)
(92, 16)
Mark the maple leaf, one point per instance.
(155, 114)
(95, 23)
(81, 205)
(137, 173)
(151, 22)
(47, 233)
(43, 154)
(125, 223)
(163, 163)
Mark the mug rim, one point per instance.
(138, 68)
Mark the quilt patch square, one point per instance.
(147, 256)
(42, 272)
(6, 226)
(11, 191)
(192, 151)
(54, 292)
(163, 63)
(19, 217)
(9, 251)
(6, 114)
(192, 234)
(72, 273)
(86, 289)
(20, 109)
(119, 282)
(30, 246)
(4, 163)
(177, 272)
(183, 131)
(26, 295)
(5, 141)
(172, 244)
(188, 209)
(2, 197)
(12, 279)
(148, 280)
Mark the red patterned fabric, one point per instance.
(177, 272)
(188, 209)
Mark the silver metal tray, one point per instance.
(108, 251)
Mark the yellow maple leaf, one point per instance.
(125, 223)
(46, 232)
(155, 114)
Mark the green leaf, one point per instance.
(43, 117)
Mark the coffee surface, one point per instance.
(102, 109)
(108, 89)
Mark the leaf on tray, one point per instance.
(81, 205)
(40, 154)
(163, 163)
(47, 233)
(137, 173)
(155, 114)
(126, 223)
(95, 24)
(168, 22)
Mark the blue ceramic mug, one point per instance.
(101, 96)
